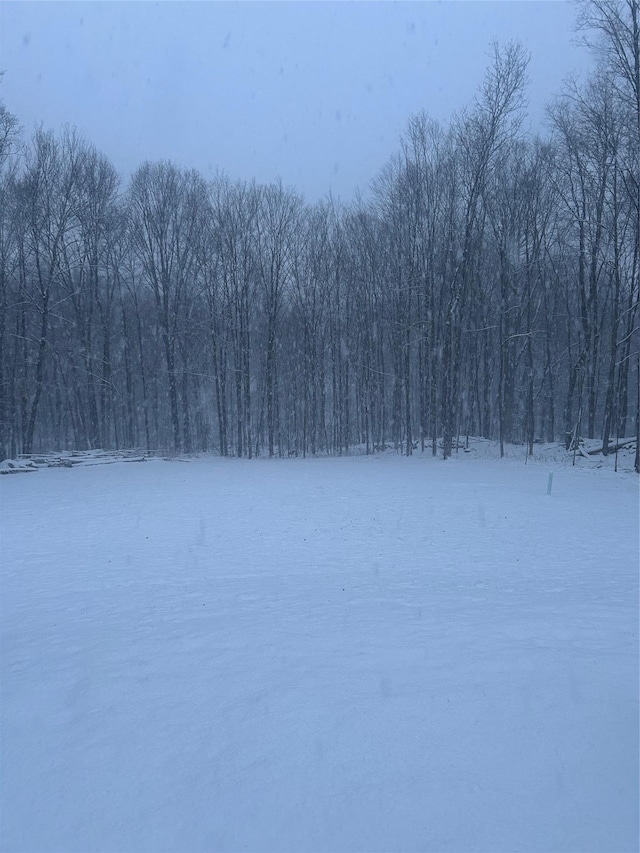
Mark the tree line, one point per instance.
(489, 286)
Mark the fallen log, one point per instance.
(620, 445)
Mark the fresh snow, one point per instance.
(356, 654)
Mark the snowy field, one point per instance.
(362, 654)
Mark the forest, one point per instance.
(487, 286)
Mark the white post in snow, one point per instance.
(550, 483)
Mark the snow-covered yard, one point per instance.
(361, 654)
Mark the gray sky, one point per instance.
(316, 93)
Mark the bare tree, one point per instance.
(278, 220)
(46, 195)
(9, 138)
(166, 217)
(616, 27)
(481, 136)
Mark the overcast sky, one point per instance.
(315, 93)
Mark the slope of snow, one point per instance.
(364, 654)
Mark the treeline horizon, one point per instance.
(489, 286)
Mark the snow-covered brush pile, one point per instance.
(69, 459)
(17, 466)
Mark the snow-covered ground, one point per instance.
(360, 654)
